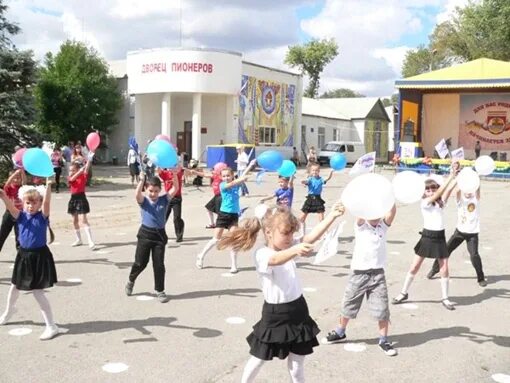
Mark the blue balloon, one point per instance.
(37, 162)
(287, 169)
(270, 160)
(162, 154)
(338, 161)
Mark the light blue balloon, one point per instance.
(162, 154)
(288, 169)
(338, 161)
(270, 160)
(37, 162)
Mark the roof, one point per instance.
(313, 107)
(353, 108)
(480, 73)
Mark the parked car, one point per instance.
(352, 150)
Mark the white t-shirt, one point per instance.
(432, 215)
(369, 246)
(242, 161)
(280, 284)
(468, 215)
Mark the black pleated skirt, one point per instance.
(214, 204)
(283, 328)
(78, 204)
(227, 220)
(432, 244)
(313, 204)
(34, 269)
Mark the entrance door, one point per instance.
(184, 138)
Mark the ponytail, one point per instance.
(242, 238)
(52, 235)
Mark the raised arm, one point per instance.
(267, 198)
(90, 159)
(235, 182)
(329, 176)
(283, 256)
(390, 216)
(175, 184)
(139, 188)
(19, 172)
(317, 232)
(47, 198)
(9, 205)
(439, 192)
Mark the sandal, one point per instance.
(400, 298)
(210, 227)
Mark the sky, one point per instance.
(373, 35)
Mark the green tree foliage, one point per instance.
(341, 93)
(480, 29)
(17, 79)
(311, 58)
(76, 94)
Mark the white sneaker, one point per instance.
(92, 245)
(78, 242)
(4, 319)
(50, 333)
(199, 263)
(233, 270)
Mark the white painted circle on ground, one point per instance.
(487, 248)
(20, 331)
(409, 306)
(227, 275)
(309, 289)
(103, 252)
(121, 233)
(235, 320)
(395, 252)
(73, 280)
(55, 243)
(355, 347)
(115, 368)
(501, 378)
(144, 298)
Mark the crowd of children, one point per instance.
(285, 330)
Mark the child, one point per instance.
(228, 215)
(11, 188)
(367, 278)
(214, 204)
(133, 162)
(151, 236)
(468, 227)
(432, 243)
(78, 204)
(286, 329)
(242, 162)
(314, 203)
(34, 268)
(175, 204)
(284, 194)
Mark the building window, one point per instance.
(336, 134)
(321, 137)
(267, 135)
(350, 148)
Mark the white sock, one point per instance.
(407, 283)
(78, 235)
(12, 297)
(444, 287)
(251, 369)
(44, 304)
(208, 246)
(296, 365)
(233, 259)
(211, 218)
(89, 234)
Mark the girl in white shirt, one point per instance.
(432, 243)
(286, 329)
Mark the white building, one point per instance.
(202, 97)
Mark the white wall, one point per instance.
(313, 122)
(118, 139)
(440, 119)
(147, 118)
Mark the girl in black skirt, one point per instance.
(34, 268)
(286, 330)
(432, 243)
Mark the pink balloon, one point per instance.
(220, 166)
(18, 157)
(93, 141)
(163, 137)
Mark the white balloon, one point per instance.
(484, 165)
(368, 196)
(468, 180)
(408, 187)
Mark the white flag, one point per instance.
(458, 154)
(364, 164)
(442, 148)
(329, 246)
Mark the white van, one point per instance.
(352, 150)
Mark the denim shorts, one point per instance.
(369, 283)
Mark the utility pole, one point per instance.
(432, 54)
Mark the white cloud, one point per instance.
(449, 9)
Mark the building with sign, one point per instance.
(202, 97)
(465, 103)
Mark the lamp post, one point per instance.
(432, 54)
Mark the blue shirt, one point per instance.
(315, 185)
(284, 196)
(32, 230)
(229, 199)
(153, 213)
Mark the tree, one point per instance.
(76, 94)
(311, 58)
(341, 93)
(17, 78)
